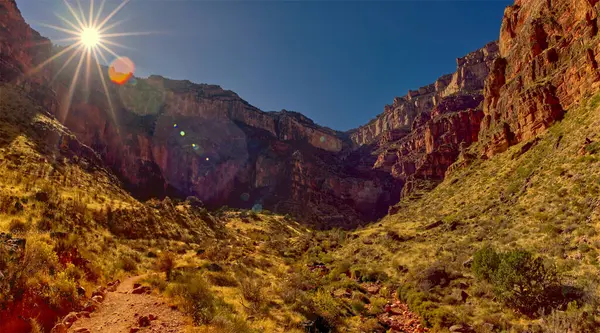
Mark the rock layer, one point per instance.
(421, 134)
(548, 63)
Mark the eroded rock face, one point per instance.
(177, 138)
(22, 49)
(421, 134)
(469, 77)
(548, 63)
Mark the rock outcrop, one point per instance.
(421, 134)
(547, 64)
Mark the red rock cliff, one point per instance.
(420, 135)
(548, 62)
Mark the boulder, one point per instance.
(144, 321)
(69, 319)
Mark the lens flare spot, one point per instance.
(195, 146)
(182, 133)
(175, 125)
(207, 159)
(257, 208)
(121, 70)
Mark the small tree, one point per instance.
(524, 281)
(520, 279)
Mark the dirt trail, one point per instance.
(124, 312)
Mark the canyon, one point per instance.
(166, 137)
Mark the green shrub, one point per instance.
(377, 305)
(327, 306)
(524, 281)
(358, 307)
(485, 263)
(520, 280)
(63, 290)
(440, 318)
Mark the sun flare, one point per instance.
(90, 37)
(91, 34)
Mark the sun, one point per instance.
(90, 37)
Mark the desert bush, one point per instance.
(156, 281)
(221, 279)
(39, 257)
(371, 325)
(226, 322)
(127, 263)
(524, 281)
(289, 293)
(17, 226)
(440, 318)
(44, 225)
(194, 297)
(63, 291)
(252, 291)
(327, 307)
(377, 305)
(433, 276)
(166, 263)
(572, 320)
(358, 307)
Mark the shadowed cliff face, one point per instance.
(548, 63)
(176, 138)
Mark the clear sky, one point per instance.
(338, 62)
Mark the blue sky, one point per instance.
(337, 62)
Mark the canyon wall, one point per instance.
(422, 133)
(548, 63)
(173, 137)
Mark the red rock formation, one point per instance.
(421, 134)
(22, 49)
(470, 75)
(548, 64)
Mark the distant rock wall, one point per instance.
(421, 134)
(469, 77)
